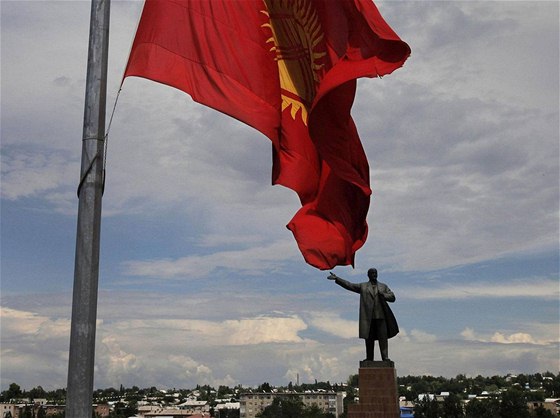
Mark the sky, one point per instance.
(200, 281)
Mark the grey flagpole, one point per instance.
(79, 395)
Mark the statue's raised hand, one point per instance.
(332, 276)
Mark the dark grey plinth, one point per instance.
(376, 364)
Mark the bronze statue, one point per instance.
(377, 321)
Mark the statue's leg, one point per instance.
(370, 340)
(382, 338)
(370, 343)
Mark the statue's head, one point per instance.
(372, 274)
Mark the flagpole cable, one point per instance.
(106, 138)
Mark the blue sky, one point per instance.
(200, 281)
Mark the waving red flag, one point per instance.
(288, 68)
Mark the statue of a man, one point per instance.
(377, 321)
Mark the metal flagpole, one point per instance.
(79, 395)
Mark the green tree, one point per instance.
(37, 392)
(227, 413)
(514, 404)
(283, 407)
(420, 387)
(314, 411)
(453, 407)
(27, 412)
(57, 396)
(426, 408)
(124, 410)
(223, 391)
(541, 411)
(265, 387)
(292, 407)
(483, 408)
(13, 392)
(353, 381)
(348, 399)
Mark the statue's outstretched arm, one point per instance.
(353, 287)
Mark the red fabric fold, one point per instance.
(288, 69)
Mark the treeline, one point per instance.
(537, 386)
(292, 408)
(14, 391)
(513, 403)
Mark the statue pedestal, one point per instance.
(379, 397)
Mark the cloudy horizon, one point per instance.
(201, 282)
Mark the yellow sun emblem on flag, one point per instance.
(297, 41)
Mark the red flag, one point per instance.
(288, 68)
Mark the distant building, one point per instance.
(172, 413)
(227, 406)
(552, 405)
(56, 409)
(194, 406)
(180, 411)
(253, 403)
(9, 410)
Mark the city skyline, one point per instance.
(200, 281)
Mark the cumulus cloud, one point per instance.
(115, 364)
(263, 330)
(247, 331)
(36, 342)
(312, 367)
(162, 345)
(25, 323)
(505, 338)
(332, 323)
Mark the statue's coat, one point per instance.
(367, 305)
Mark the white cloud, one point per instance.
(311, 367)
(24, 323)
(34, 348)
(252, 261)
(530, 288)
(518, 337)
(116, 364)
(247, 331)
(422, 336)
(500, 337)
(333, 324)
(452, 139)
(31, 174)
(263, 330)
(163, 344)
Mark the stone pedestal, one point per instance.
(379, 397)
